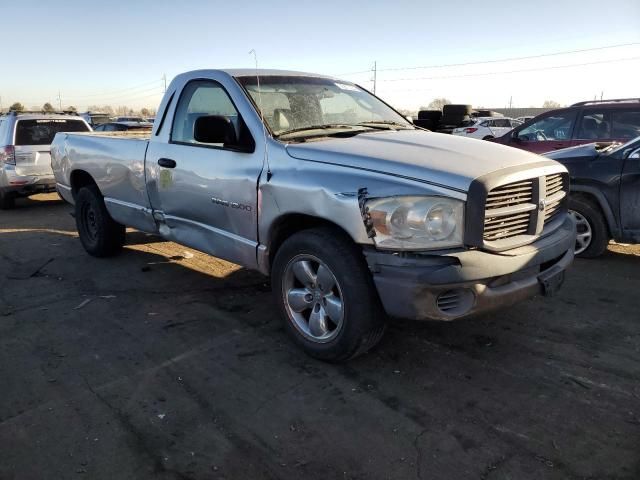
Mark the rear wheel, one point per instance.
(592, 235)
(100, 235)
(488, 137)
(326, 295)
(7, 200)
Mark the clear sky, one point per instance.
(116, 52)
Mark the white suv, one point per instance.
(486, 128)
(25, 160)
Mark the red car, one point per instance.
(584, 122)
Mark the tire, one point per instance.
(457, 110)
(434, 115)
(593, 235)
(100, 235)
(488, 137)
(357, 325)
(7, 201)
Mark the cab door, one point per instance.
(630, 196)
(205, 195)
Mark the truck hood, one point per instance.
(446, 160)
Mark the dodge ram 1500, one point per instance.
(356, 214)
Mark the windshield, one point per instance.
(295, 102)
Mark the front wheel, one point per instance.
(592, 236)
(100, 235)
(326, 295)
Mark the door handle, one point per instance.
(167, 163)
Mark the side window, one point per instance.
(503, 122)
(625, 124)
(556, 126)
(594, 125)
(201, 98)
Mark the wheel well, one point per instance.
(290, 224)
(79, 179)
(487, 137)
(595, 203)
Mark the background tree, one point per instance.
(48, 108)
(145, 112)
(437, 104)
(550, 104)
(101, 109)
(18, 107)
(71, 108)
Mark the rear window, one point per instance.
(41, 132)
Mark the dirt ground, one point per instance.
(165, 363)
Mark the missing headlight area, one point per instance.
(364, 211)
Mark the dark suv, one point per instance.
(605, 193)
(584, 122)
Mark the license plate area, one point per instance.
(551, 281)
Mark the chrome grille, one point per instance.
(516, 208)
(555, 193)
(508, 210)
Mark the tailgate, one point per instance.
(33, 160)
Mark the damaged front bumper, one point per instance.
(459, 284)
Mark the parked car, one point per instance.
(524, 119)
(352, 210)
(585, 122)
(139, 120)
(151, 119)
(122, 127)
(25, 161)
(486, 128)
(605, 193)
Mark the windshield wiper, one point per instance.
(384, 124)
(327, 126)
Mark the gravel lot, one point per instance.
(165, 363)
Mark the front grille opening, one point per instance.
(455, 302)
(499, 222)
(513, 210)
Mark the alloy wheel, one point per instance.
(313, 298)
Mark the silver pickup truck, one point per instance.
(355, 213)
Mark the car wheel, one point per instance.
(326, 295)
(488, 137)
(592, 235)
(100, 235)
(7, 201)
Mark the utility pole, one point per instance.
(375, 76)
(601, 95)
(59, 101)
(164, 79)
(510, 101)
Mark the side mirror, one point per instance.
(514, 136)
(635, 154)
(214, 129)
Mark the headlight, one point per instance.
(416, 223)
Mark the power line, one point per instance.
(508, 59)
(442, 77)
